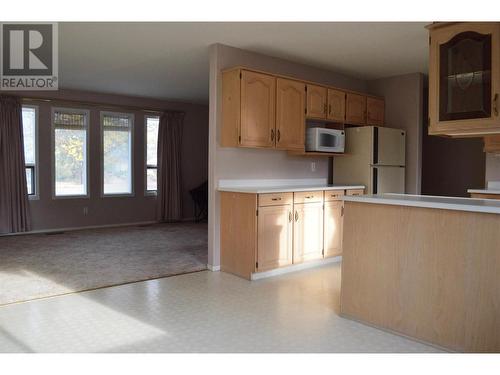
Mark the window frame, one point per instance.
(35, 176)
(87, 151)
(131, 116)
(147, 166)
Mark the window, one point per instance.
(152, 123)
(70, 152)
(30, 149)
(117, 153)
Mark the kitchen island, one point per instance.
(425, 267)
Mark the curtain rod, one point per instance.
(96, 104)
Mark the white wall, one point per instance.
(240, 163)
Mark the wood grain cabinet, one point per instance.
(375, 111)
(290, 116)
(316, 101)
(464, 78)
(308, 232)
(333, 224)
(274, 237)
(355, 109)
(336, 105)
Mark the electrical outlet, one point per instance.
(313, 166)
(85, 211)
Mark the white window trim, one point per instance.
(35, 196)
(148, 193)
(132, 172)
(53, 152)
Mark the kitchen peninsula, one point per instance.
(425, 267)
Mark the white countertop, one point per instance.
(285, 188)
(428, 201)
(483, 191)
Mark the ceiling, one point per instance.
(170, 60)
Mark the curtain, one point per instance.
(169, 196)
(14, 209)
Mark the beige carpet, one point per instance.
(35, 266)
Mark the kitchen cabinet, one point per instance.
(262, 232)
(290, 116)
(316, 101)
(274, 240)
(333, 222)
(248, 109)
(375, 111)
(308, 226)
(464, 78)
(336, 105)
(492, 144)
(355, 109)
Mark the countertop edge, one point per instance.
(484, 191)
(287, 189)
(423, 204)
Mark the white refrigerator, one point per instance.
(374, 157)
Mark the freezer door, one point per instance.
(388, 180)
(389, 146)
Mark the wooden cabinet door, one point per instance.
(316, 101)
(375, 109)
(308, 232)
(274, 237)
(336, 105)
(355, 109)
(333, 228)
(258, 93)
(290, 117)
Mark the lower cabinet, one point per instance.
(261, 232)
(274, 237)
(308, 232)
(333, 222)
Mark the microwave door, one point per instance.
(327, 141)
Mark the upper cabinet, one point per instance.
(257, 109)
(464, 79)
(290, 116)
(316, 101)
(375, 111)
(336, 105)
(261, 110)
(355, 109)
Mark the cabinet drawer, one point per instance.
(333, 195)
(308, 197)
(355, 192)
(275, 199)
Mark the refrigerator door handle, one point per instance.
(375, 180)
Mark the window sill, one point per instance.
(151, 194)
(57, 197)
(33, 197)
(118, 195)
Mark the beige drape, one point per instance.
(14, 209)
(169, 167)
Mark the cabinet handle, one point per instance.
(275, 199)
(309, 196)
(290, 218)
(495, 104)
(272, 134)
(278, 135)
(296, 216)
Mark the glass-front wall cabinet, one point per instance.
(464, 79)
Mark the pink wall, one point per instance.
(48, 213)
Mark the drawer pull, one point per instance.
(290, 217)
(275, 199)
(309, 196)
(296, 216)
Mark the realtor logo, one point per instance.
(29, 58)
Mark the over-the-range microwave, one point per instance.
(325, 140)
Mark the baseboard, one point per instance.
(294, 268)
(70, 229)
(213, 268)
